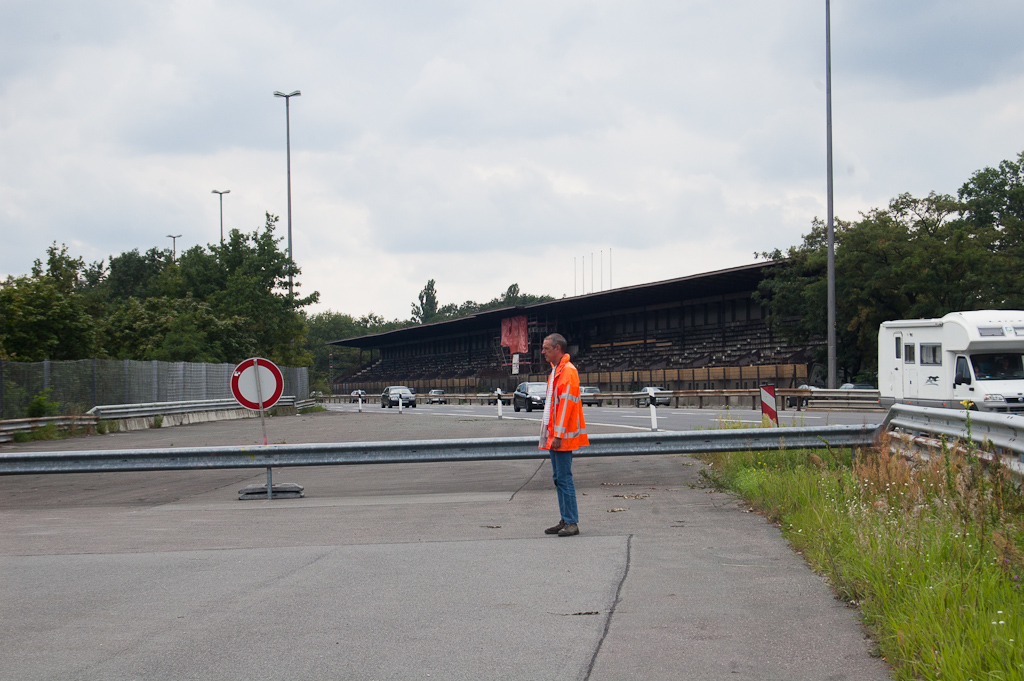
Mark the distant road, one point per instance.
(634, 418)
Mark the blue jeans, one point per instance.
(561, 472)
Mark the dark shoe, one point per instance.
(569, 530)
(556, 529)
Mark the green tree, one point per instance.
(993, 204)
(42, 316)
(174, 330)
(426, 311)
(916, 258)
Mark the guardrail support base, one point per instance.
(280, 490)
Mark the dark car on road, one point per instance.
(394, 394)
(588, 395)
(529, 396)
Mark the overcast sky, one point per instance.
(484, 143)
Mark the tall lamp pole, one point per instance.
(226, 191)
(288, 137)
(174, 245)
(831, 228)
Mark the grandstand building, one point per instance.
(698, 332)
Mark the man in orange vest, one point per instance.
(562, 430)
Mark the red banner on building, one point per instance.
(513, 334)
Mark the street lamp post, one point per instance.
(226, 191)
(174, 245)
(831, 239)
(288, 138)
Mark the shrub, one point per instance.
(41, 405)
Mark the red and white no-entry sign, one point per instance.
(768, 403)
(257, 380)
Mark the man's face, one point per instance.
(551, 352)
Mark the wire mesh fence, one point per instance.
(78, 385)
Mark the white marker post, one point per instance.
(498, 393)
(400, 408)
(360, 398)
(654, 412)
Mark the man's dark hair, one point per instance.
(559, 340)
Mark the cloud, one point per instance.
(482, 143)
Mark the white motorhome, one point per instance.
(964, 357)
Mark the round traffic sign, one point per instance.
(248, 391)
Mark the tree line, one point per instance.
(918, 257)
(218, 303)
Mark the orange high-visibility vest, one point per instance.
(565, 418)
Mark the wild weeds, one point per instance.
(931, 549)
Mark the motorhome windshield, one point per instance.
(999, 366)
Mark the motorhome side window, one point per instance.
(899, 348)
(931, 353)
(908, 353)
(963, 374)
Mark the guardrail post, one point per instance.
(93, 385)
(127, 381)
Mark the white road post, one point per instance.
(652, 403)
(399, 403)
(360, 398)
(498, 393)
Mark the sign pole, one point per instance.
(263, 421)
(248, 392)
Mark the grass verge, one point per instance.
(931, 551)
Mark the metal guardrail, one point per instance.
(422, 451)
(702, 397)
(11, 426)
(127, 411)
(999, 435)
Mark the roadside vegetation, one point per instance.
(917, 257)
(932, 552)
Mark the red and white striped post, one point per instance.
(768, 404)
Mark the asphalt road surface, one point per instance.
(409, 571)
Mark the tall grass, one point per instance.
(931, 551)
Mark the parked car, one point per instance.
(663, 401)
(856, 386)
(493, 397)
(529, 396)
(794, 402)
(394, 394)
(436, 396)
(587, 393)
(356, 395)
